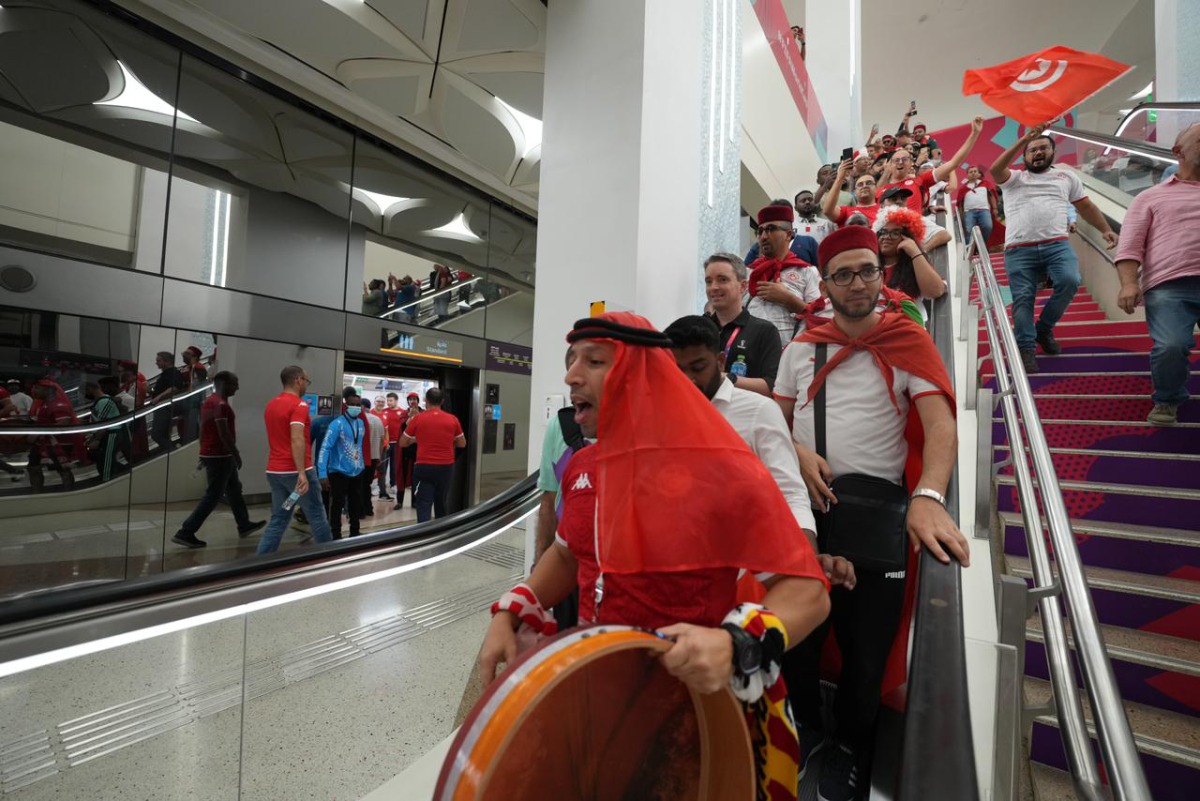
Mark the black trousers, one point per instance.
(431, 484)
(864, 621)
(223, 482)
(364, 486)
(345, 492)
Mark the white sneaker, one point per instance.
(1163, 414)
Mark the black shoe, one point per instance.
(399, 505)
(385, 497)
(250, 529)
(1049, 344)
(188, 540)
(1029, 359)
(839, 775)
(811, 741)
(368, 512)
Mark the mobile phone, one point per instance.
(848, 153)
(912, 108)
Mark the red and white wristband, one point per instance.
(521, 601)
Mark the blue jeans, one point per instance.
(1027, 267)
(980, 217)
(282, 485)
(431, 483)
(1172, 311)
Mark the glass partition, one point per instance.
(1126, 171)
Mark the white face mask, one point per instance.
(354, 411)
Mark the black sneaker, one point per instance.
(1049, 344)
(1029, 360)
(250, 529)
(839, 775)
(811, 741)
(385, 497)
(188, 540)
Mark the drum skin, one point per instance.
(592, 715)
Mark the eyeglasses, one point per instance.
(901, 160)
(891, 233)
(869, 275)
(770, 229)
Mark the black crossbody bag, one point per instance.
(868, 524)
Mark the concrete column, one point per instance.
(834, 64)
(640, 166)
(1176, 61)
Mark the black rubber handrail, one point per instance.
(938, 761)
(21, 613)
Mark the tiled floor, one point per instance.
(323, 698)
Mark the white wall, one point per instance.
(834, 66)
(55, 188)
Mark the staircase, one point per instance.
(1132, 491)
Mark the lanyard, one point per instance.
(353, 430)
(728, 345)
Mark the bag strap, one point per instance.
(819, 401)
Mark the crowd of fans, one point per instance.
(398, 297)
(45, 403)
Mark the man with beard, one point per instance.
(866, 373)
(864, 196)
(904, 170)
(642, 558)
(1036, 201)
(808, 221)
(803, 247)
(781, 283)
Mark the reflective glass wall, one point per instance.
(163, 220)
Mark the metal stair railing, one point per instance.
(1124, 769)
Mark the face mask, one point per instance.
(353, 411)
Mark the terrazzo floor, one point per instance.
(291, 702)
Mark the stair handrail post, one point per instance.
(1068, 705)
(1127, 778)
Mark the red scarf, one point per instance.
(894, 341)
(768, 269)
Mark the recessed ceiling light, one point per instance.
(456, 226)
(531, 128)
(1144, 93)
(136, 95)
(382, 202)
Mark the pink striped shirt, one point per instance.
(1162, 231)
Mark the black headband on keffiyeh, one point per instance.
(600, 328)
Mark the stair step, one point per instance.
(1070, 316)
(1168, 743)
(1152, 669)
(1160, 551)
(1092, 343)
(1176, 471)
(1118, 503)
(1108, 406)
(1157, 604)
(1067, 383)
(1052, 784)
(1089, 363)
(1136, 435)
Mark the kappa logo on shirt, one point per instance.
(582, 483)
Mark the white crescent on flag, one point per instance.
(1036, 79)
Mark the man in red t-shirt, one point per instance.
(394, 419)
(904, 171)
(864, 196)
(221, 460)
(289, 465)
(437, 435)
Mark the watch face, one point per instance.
(750, 657)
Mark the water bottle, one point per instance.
(738, 368)
(291, 501)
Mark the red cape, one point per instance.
(768, 269)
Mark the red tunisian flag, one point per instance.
(1042, 86)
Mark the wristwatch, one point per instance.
(926, 492)
(747, 650)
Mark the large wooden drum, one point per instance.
(592, 715)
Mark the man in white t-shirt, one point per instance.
(866, 416)
(809, 219)
(1036, 200)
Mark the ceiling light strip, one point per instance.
(712, 106)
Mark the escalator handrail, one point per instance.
(56, 608)
(1108, 140)
(1117, 746)
(21, 429)
(1154, 105)
(937, 718)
